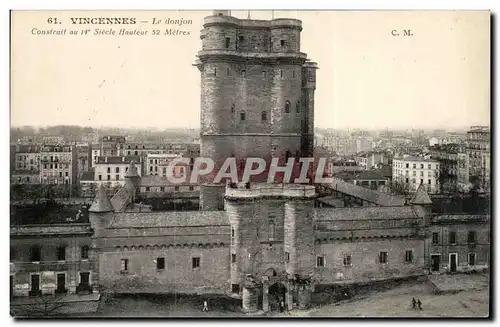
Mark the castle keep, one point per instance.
(257, 93)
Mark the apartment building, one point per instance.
(411, 172)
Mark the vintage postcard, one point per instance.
(250, 164)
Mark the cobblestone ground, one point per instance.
(395, 302)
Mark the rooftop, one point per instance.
(382, 199)
(415, 158)
(117, 159)
(367, 213)
(169, 219)
(464, 218)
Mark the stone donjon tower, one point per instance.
(257, 94)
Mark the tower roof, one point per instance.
(421, 196)
(132, 170)
(101, 202)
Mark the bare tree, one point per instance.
(39, 306)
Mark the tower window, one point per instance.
(232, 108)
(243, 73)
(297, 106)
(282, 43)
(228, 42)
(287, 107)
(241, 38)
(242, 115)
(215, 74)
(272, 230)
(281, 73)
(293, 74)
(264, 74)
(264, 116)
(228, 71)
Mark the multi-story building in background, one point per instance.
(371, 159)
(453, 167)
(478, 150)
(27, 157)
(411, 172)
(58, 164)
(364, 144)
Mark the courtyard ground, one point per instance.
(468, 298)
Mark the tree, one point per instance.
(40, 306)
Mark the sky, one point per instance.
(368, 78)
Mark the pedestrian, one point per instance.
(414, 303)
(419, 304)
(205, 306)
(282, 306)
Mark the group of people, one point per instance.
(416, 303)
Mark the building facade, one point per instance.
(58, 164)
(478, 150)
(411, 172)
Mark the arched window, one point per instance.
(264, 116)
(271, 230)
(287, 107)
(297, 106)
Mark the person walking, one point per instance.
(414, 303)
(205, 306)
(419, 304)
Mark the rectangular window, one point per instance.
(242, 116)
(233, 258)
(471, 237)
(61, 253)
(117, 177)
(160, 263)
(283, 43)
(66, 174)
(109, 177)
(382, 258)
(429, 182)
(243, 73)
(264, 74)
(414, 166)
(228, 71)
(100, 177)
(117, 170)
(124, 265)
(453, 238)
(414, 173)
(429, 166)
(407, 165)
(195, 262)
(421, 173)
(347, 260)
(176, 188)
(409, 256)
(162, 188)
(109, 170)
(228, 42)
(191, 188)
(472, 259)
(422, 166)
(320, 261)
(287, 256)
(235, 288)
(35, 254)
(435, 238)
(281, 73)
(85, 252)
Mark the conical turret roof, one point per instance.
(101, 202)
(421, 196)
(132, 170)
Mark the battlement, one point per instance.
(270, 190)
(253, 23)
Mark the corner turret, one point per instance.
(100, 209)
(422, 199)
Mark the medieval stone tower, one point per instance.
(257, 93)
